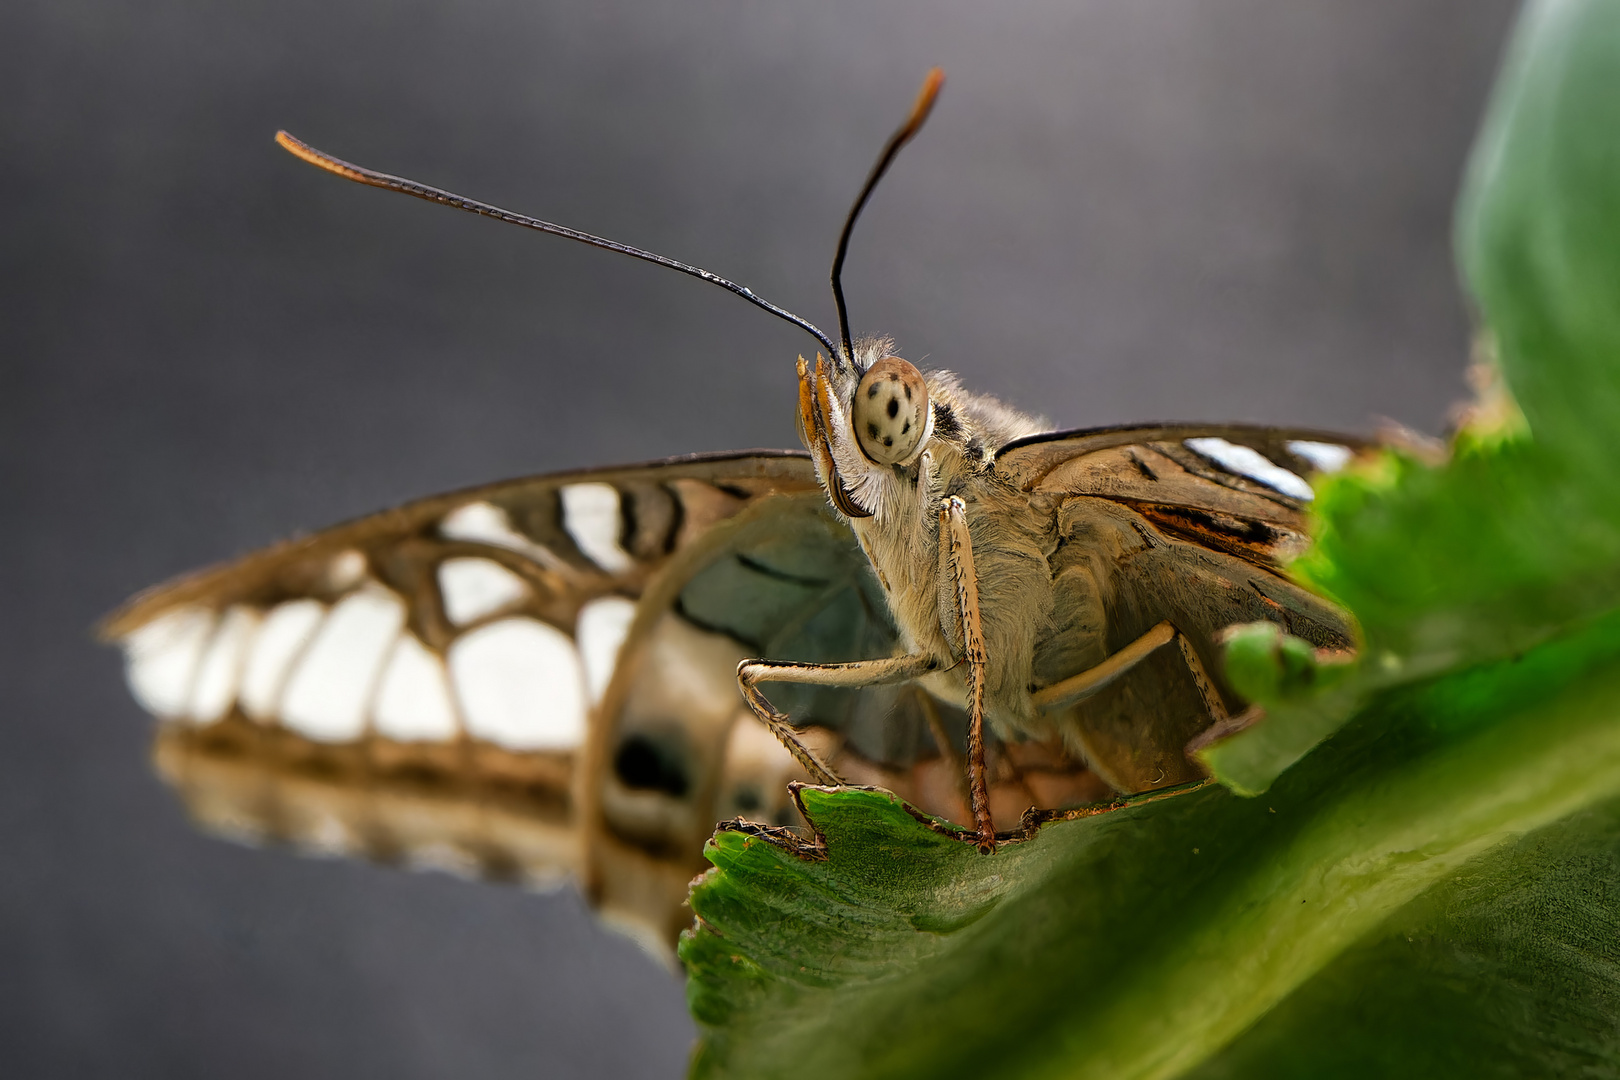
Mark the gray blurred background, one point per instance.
(1122, 210)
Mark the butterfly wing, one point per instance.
(531, 680)
(534, 680)
(1237, 488)
(1187, 523)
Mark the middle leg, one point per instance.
(1086, 683)
(1135, 715)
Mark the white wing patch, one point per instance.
(520, 685)
(473, 588)
(602, 627)
(591, 517)
(333, 681)
(162, 659)
(345, 570)
(282, 637)
(220, 673)
(486, 523)
(1329, 457)
(413, 702)
(1247, 461)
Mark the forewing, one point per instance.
(1237, 488)
(441, 683)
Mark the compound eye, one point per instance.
(889, 411)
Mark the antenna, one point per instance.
(914, 122)
(361, 175)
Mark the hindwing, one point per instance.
(1189, 524)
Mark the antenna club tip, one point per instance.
(933, 82)
(297, 147)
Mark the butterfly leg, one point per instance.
(1079, 687)
(958, 545)
(859, 673)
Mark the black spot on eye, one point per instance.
(888, 440)
(906, 430)
(871, 391)
(894, 408)
(871, 430)
(893, 377)
(649, 765)
(908, 393)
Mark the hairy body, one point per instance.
(1012, 539)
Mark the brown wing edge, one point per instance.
(1039, 454)
(255, 567)
(1259, 436)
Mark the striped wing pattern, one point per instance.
(1236, 488)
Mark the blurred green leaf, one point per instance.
(1516, 537)
(1538, 227)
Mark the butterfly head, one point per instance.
(863, 422)
(874, 426)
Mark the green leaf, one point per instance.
(1510, 968)
(1410, 866)
(1142, 940)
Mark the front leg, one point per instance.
(957, 545)
(860, 673)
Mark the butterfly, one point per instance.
(576, 676)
